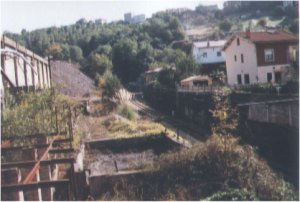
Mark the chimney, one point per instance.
(207, 43)
(248, 33)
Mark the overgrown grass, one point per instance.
(34, 113)
(125, 128)
(213, 168)
(127, 112)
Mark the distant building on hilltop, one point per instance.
(138, 19)
(177, 10)
(212, 7)
(261, 57)
(100, 21)
(129, 18)
(208, 52)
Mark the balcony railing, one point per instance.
(198, 89)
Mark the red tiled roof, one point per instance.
(267, 37)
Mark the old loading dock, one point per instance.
(113, 160)
(40, 166)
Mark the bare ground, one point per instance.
(69, 80)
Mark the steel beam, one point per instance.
(36, 167)
(34, 185)
(20, 164)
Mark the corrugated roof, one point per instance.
(204, 44)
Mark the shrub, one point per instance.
(262, 22)
(225, 25)
(127, 112)
(33, 113)
(223, 164)
(291, 87)
(220, 168)
(278, 11)
(257, 88)
(232, 195)
(110, 90)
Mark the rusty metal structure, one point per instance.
(35, 166)
(41, 168)
(21, 68)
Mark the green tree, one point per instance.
(99, 63)
(224, 117)
(185, 67)
(124, 60)
(294, 27)
(225, 25)
(76, 53)
(262, 22)
(166, 78)
(111, 88)
(278, 11)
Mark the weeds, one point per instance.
(197, 173)
(127, 112)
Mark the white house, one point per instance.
(209, 52)
(260, 57)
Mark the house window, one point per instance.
(234, 57)
(247, 78)
(269, 55)
(219, 54)
(238, 41)
(269, 77)
(205, 54)
(239, 79)
(242, 58)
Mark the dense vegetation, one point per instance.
(220, 168)
(128, 50)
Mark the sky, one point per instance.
(30, 15)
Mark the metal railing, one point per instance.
(198, 89)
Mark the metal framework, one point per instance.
(36, 176)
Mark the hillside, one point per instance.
(69, 80)
(205, 22)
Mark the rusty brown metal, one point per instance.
(35, 168)
(5, 144)
(20, 164)
(34, 185)
(33, 136)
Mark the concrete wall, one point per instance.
(283, 113)
(162, 143)
(103, 184)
